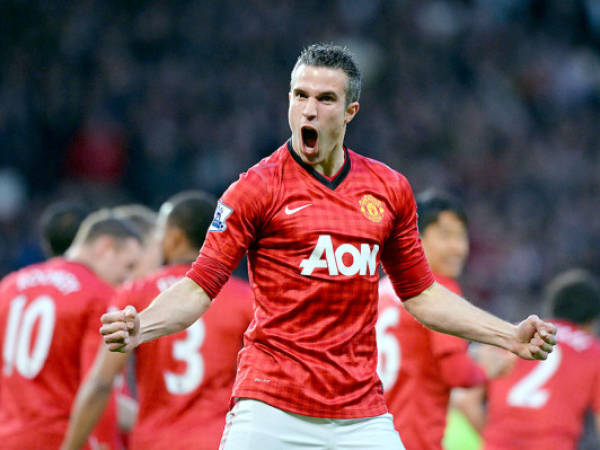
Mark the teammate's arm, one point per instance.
(441, 310)
(171, 311)
(92, 397)
(470, 403)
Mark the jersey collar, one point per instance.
(332, 182)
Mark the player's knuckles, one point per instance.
(116, 337)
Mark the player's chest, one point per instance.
(336, 230)
(357, 214)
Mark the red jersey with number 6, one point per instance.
(49, 316)
(184, 380)
(418, 368)
(314, 245)
(542, 404)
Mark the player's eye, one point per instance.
(327, 98)
(300, 94)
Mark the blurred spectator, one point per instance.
(59, 224)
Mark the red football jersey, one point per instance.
(415, 390)
(49, 316)
(542, 404)
(184, 380)
(314, 245)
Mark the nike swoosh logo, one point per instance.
(289, 211)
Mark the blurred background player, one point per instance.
(145, 220)
(185, 379)
(59, 224)
(542, 405)
(48, 329)
(418, 366)
(125, 407)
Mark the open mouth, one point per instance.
(310, 137)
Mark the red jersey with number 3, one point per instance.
(314, 245)
(415, 390)
(542, 404)
(184, 380)
(49, 316)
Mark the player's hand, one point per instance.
(535, 338)
(121, 329)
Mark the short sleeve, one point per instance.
(238, 219)
(403, 257)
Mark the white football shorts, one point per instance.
(255, 425)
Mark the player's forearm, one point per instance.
(88, 407)
(173, 310)
(441, 310)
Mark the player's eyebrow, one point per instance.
(327, 94)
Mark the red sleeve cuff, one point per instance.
(412, 281)
(210, 274)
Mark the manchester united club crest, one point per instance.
(371, 208)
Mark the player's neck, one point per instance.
(80, 255)
(332, 165)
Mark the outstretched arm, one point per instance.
(441, 310)
(173, 310)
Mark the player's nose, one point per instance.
(310, 108)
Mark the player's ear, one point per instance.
(103, 244)
(351, 111)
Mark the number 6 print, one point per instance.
(388, 347)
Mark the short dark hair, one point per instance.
(104, 223)
(59, 224)
(192, 212)
(142, 217)
(335, 57)
(432, 202)
(574, 295)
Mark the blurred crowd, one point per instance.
(498, 101)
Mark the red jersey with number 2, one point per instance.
(314, 245)
(541, 404)
(184, 380)
(49, 320)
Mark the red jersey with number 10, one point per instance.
(184, 380)
(49, 320)
(314, 245)
(542, 404)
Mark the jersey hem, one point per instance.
(295, 409)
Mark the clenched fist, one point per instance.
(121, 329)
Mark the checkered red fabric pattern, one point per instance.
(314, 245)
